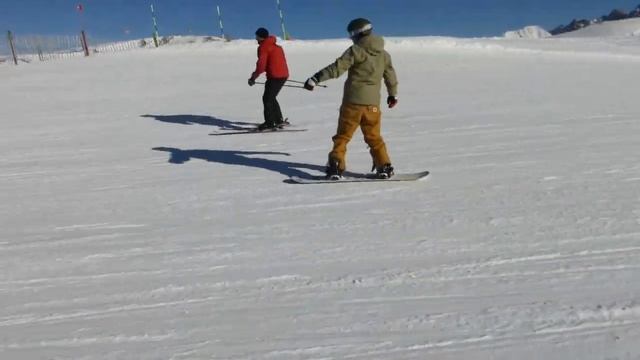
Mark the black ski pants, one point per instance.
(272, 112)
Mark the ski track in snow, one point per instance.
(126, 234)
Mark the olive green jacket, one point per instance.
(368, 63)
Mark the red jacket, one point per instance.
(271, 60)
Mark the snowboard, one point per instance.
(354, 177)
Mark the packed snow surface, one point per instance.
(127, 232)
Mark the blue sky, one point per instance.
(306, 19)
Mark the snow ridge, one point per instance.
(529, 32)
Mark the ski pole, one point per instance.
(302, 82)
(291, 86)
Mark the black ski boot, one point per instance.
(333, 171)
(384, 172)
(265, 126)
(282, 123)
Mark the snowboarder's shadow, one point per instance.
(202, 120)
(243, 158)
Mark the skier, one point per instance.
(368, 64)
(271, 59)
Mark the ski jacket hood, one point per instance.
(372, 44)
(270, 40)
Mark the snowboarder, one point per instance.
(368, 64)
(271, 59)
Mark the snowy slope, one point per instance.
(129, 233)
(628, 27)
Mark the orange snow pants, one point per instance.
(368, 118)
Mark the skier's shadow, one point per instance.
(243, 158)
(222, 124)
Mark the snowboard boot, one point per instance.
(333, 171)
(384, 172)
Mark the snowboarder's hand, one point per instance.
(392, 101)
(311, 83)
(251, 81)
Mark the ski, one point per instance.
(255, 131)
(355, 177)
(283, 127)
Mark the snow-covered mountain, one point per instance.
(614, 15)
(628, 27)
(529, 32)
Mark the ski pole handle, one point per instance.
(302, 82)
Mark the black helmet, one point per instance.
(262, 33)
(359, 26)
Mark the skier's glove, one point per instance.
(311, 83)
(251, 81)
(392, 101)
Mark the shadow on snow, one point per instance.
(243, 158)
(202, 120)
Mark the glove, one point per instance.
(311, 83)
(392, 101)
(251, 81)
